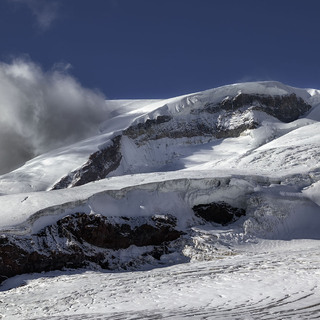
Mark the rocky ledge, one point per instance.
(78, 240)
(82, 240)
(218, 212)
(98, 166)
(285, 108)
(229, 118)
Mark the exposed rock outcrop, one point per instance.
(218, 212)
(286, 108)
(228, 118)
(139, 129)
(79, 239)
(99, 165)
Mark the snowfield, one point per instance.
(266, 280)
(265, 265)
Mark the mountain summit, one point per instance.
(243, 157)
(168, 135)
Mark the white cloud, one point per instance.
(43, 110)
(45, 11)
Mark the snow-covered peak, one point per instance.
(183, 104)
(44, 171)
(171, 179)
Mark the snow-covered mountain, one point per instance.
(219, 174)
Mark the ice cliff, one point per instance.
(240, 160)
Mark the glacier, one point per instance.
(253, 146)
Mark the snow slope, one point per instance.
(42, 172)
(274, 150)
(263, 266)
(277, 280)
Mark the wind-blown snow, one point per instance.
(42, 172)
(41, 111)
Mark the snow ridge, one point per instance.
(130, 199)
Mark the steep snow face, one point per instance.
(216, 134)
(183, 104)
(266, 201)
(44, 171)
(252, 147)
(88, 225)
(155, 140)
(292, 152)
(129, 196)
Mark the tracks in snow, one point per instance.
(270, 280)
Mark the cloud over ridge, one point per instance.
(42, 110)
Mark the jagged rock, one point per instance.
(97, 230)
(79, 239)
(286, 108)
(218, 212)
(20, 255)
(99, 165)
(223, 132)
(181, 127)
(227, 119)
(137, 130)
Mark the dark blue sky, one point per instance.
(164, 48)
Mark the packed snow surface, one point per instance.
(267, 280)
(264, 266)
